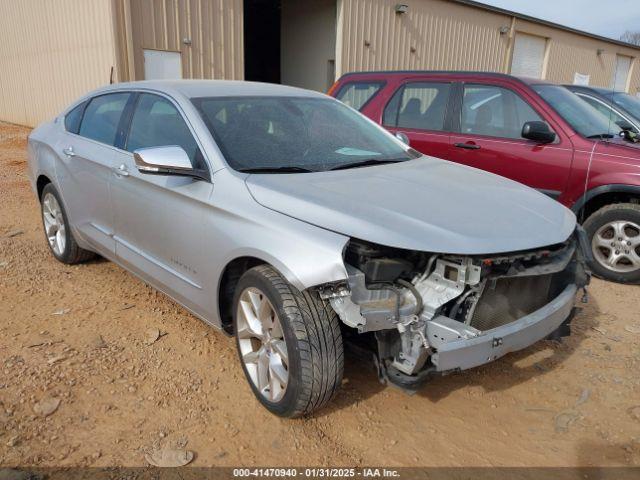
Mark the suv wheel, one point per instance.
(289, 343)
(614, 231)
(57, 231)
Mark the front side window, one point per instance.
(102, 116)
(73, 118)
(421, 106)
(357, 94)
(495, 112)
(157, 122)
(313, 134)
(586, 121)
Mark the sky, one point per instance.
(609, 18)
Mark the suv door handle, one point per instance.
(69, 152)
(467, 146)
(121, 171)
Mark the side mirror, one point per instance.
(402, 137)
(171, 160)
(538, 132)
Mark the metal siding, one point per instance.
(568, 53)
(453, 36)
(51, 52)
(443, 35)
(215, 28)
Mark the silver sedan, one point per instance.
(289, 220)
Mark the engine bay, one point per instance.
(416, 303)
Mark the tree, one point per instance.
(631, 37)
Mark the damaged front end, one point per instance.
(436, 313)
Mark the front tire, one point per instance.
(56, 229)
(289, 343)
(614, 233)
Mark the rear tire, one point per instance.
(309, 328)
(57, 231)
(614, 236)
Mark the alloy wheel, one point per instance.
(263, 348)
(616, 246)
(54, 224)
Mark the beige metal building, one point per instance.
(53, 51)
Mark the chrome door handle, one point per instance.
(69, 152)
(121, 171)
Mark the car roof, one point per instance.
(214, 88)
(444, 73)
(600, 90)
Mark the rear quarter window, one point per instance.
(357, 94)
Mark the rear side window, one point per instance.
(421, 105)
(494, 112)
(157, 122)
(357, 94)
(102, 116)
(73, 118)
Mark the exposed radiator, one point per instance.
(509, 300)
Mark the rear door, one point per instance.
(87, 150)
(488, 135)
(419, 109)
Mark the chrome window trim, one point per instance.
(140, 90)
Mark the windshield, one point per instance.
(583, 118)
(295, 134)
(629, 103)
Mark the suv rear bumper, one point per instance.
(493, 344)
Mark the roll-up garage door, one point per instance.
(621, 74)
(528, 55)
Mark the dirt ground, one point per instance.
(79, 335)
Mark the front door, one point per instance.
(489, 137)
(159, 218)
(86, 151)
(419, 110)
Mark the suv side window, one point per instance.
(495, 112)
(357, 94)
(73, 118)
(102, 117)
(420, 105)
(157, 122)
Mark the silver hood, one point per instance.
(425, 204)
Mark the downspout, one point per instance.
(508, 56)
(131, 64)
(339, 37)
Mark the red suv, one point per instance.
(534, 132)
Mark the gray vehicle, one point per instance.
(291, 221)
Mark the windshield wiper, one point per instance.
(367, 163)
(283, 169)
(601, 136)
